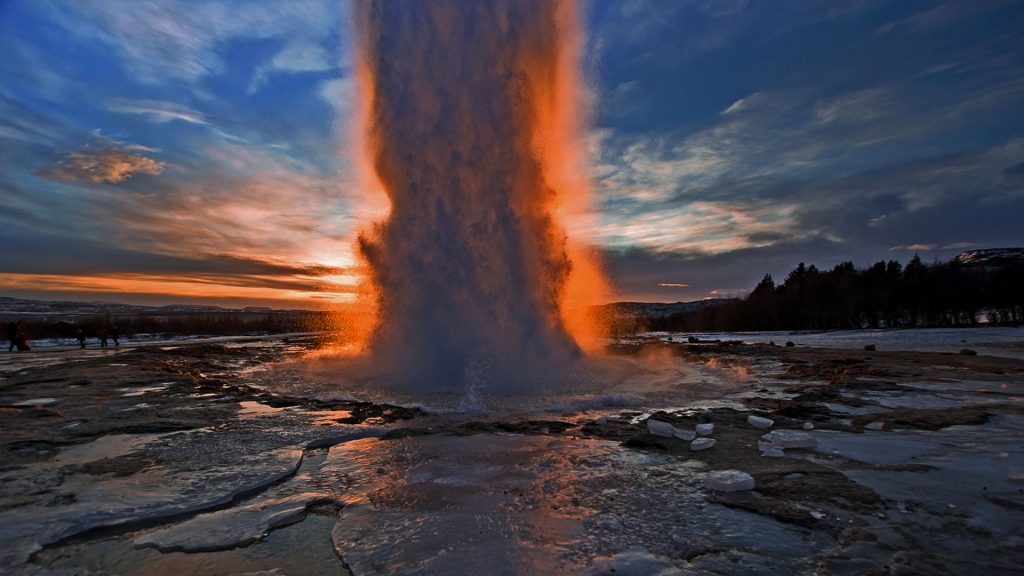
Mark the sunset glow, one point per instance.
(172, 140)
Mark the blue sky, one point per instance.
(187, 150)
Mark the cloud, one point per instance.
(672, 285)
(104, 160)
(175, 40)
(295, 57)
(914, 248)
(157, 111)
(729, 292)
(788, 164)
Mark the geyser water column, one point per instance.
(471, 128)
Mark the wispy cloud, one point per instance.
(157, 111)
(175, 40)
(295, 57)
(914, 248)
(104, 160)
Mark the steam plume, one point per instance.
(471, 129)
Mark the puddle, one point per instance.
(252, 409)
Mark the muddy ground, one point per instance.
(173, 459)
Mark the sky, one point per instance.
(194, 151)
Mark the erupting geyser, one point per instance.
(471, 127)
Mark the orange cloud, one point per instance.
(104, 161)
(672, 285)
(302, 291)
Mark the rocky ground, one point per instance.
(177, 460)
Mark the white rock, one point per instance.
(729, 481)
(808, 425)
(760, 422)
(702, 444)
(787, 439)
(659, 428)
(876, 425)
(773, 453)
(685, 434)
(705, 429)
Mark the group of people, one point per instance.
(17, 337)
(103, 335)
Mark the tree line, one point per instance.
(884, 295)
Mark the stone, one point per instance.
(773, 453)
(729, 481)
(968, 352)
(808, 426)
(685, 434)
(760, 422)
(702, 444)
(705, 429)
(659, 428)
(225, 529)
(1015, 474)
(870, 348)
(789, 344)
(790, 439)
(876, 425)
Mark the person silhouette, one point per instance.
(115, 334)
(12, 335)
(81, 338)
(103, 337)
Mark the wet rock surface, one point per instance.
(166, 460)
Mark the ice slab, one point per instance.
(705, 429)
(789, 439)
(36, 402)
(729, 481)
(760, 422)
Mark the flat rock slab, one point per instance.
(233, 527)
(790, 439)
(190, 472)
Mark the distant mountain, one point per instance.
(26, 307)
(992, 257)
(660, 309)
